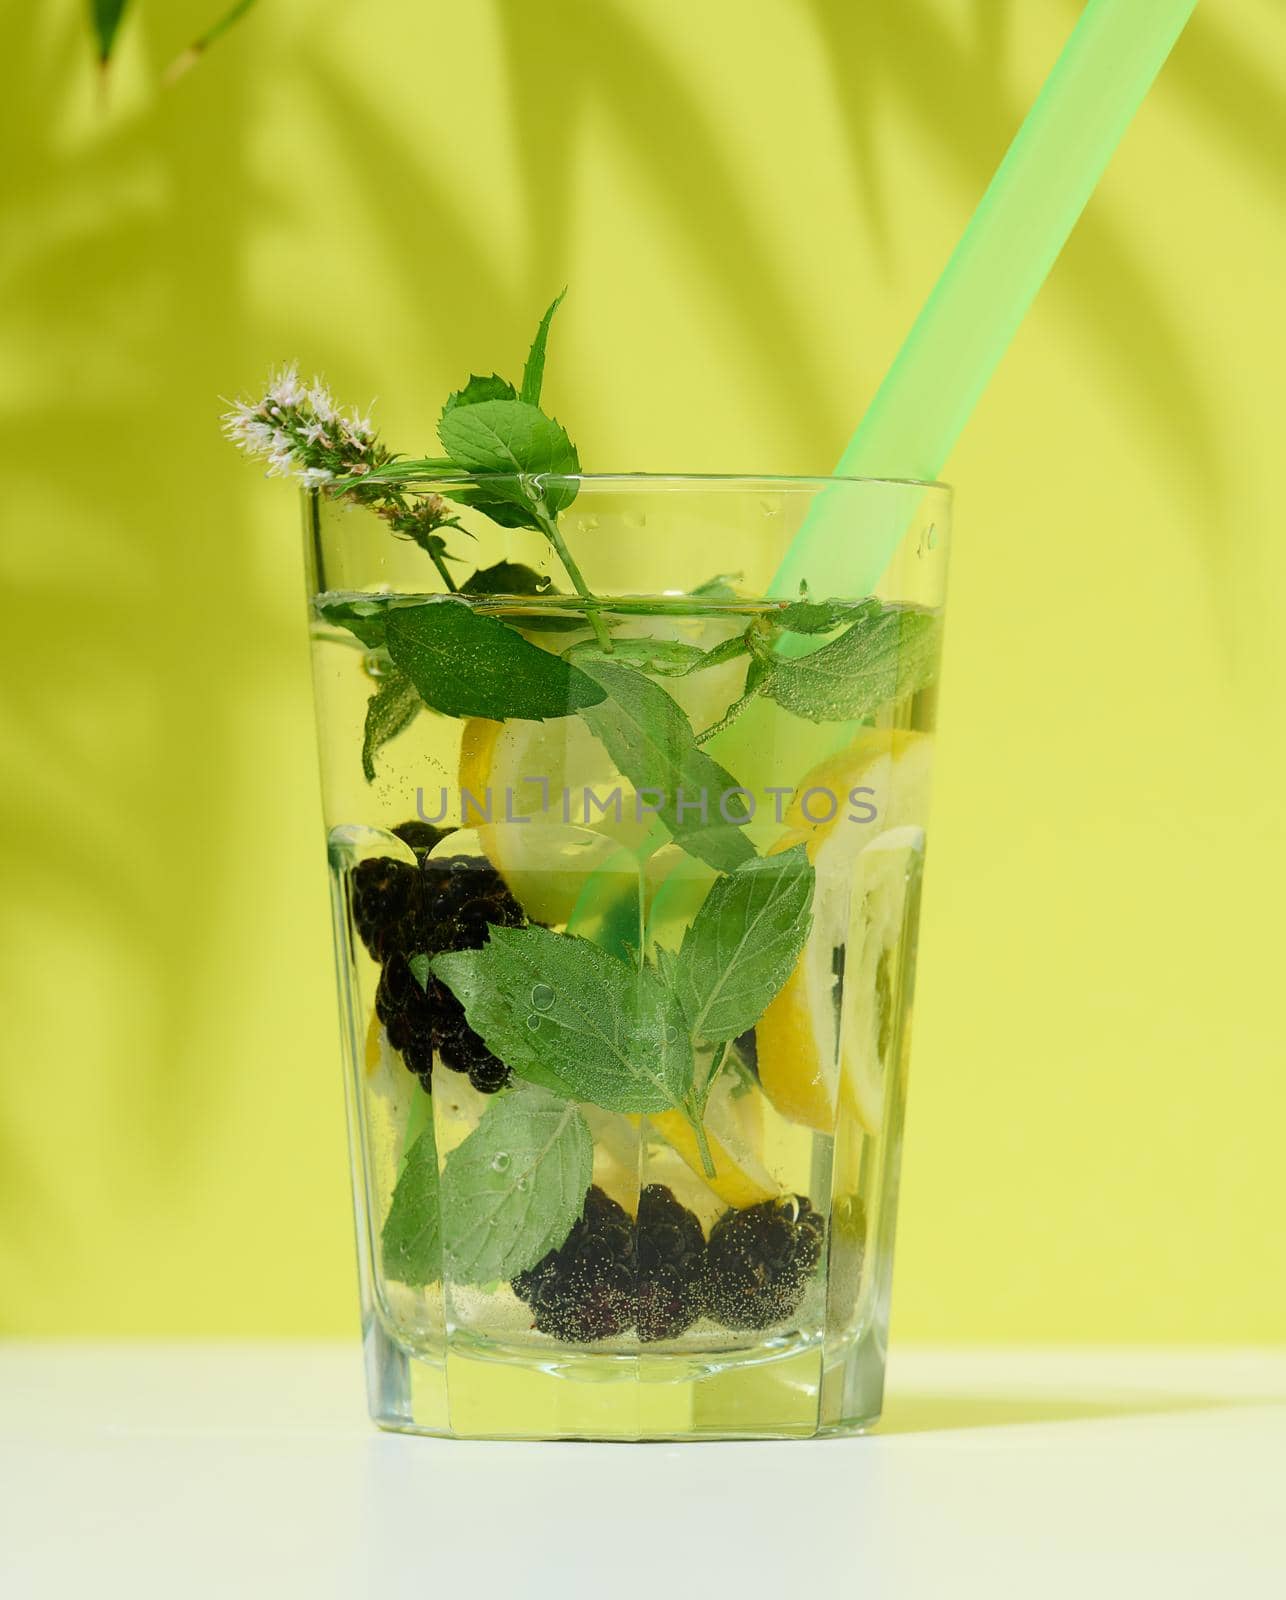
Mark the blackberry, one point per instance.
(759, 1261)
(584, 1290)
(421, 836)
(671, 1265)
(443, 903)
(462, 899)
(459, 1047)
(387, 896)
(401, 1005)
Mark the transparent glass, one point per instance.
(726, 1274)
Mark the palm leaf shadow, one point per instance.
(86, 828)
(661, 126)
(421, 222)
(550, 128)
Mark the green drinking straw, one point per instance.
(1022, 222)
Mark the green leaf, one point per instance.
(533, 374)
(890, 651)
(469, 665)
(419, 966)
(729, 650)
(364, 618)
(513, 578)
(650, 739)
(569, 1017)
(478, 389)
(507, 577)
(411, 1241)
(743, 943)
(816, 616)
(664, 657)
(513, 1189)
(719, 587)
(106, 17)
(511, 437)
(509, 501)
(392, 708)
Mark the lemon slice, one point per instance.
(887, 871)
(549, 810)
(808, 1045)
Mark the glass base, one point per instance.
(787, 1390)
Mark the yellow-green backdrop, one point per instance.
(749, 201)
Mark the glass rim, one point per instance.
(429, 480)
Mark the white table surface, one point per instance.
(195, 1470)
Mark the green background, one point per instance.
(749, 203)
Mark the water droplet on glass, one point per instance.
(533, 1021)
(671, 1033)
(500, 1161)
(542, 996)
(522, 1184)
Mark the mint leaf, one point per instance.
(465, 664)
(419, 966)
(719, 587)
(816, 616)
(890, 651)
(651, 741)
(533, 374)
(411, 1241)
(569, 1017)
(478, 389)
(363, 618)
(665, 657)
(507, 577)
(511, 437)
(393, 707)
(743, 944)
(512, 1190)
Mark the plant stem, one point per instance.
(436, 557)
(550, 529)
(703, 1145)
(729, 716)
(718, 1067)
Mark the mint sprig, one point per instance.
(411, 1239)
(465, 664)
(389, 711)
(647, 734)
(513, 1188)
(533, 373)
(885, 653)
(573, 1019)
(506, 1194)
(743, 944)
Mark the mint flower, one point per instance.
(301, 432)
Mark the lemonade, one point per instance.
(625, 855)
(628, 1066)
